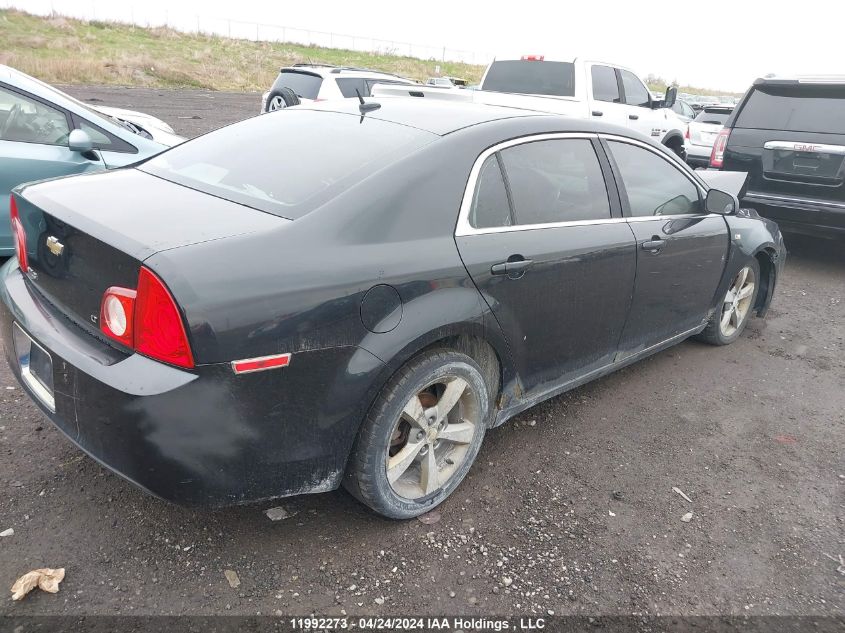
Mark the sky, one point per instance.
(705, 43)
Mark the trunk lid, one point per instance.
(86, 234)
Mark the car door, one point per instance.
(681, 250)
(33, 146)
(639, 114)
(548, 249)
(606, 100)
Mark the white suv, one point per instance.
(319, 82)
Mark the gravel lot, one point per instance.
(569, 508)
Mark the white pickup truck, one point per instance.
(580, 88)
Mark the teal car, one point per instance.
(46, 133)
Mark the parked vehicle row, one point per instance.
(572, 87)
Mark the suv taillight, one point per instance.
(717, 156)
(147, 320)
(18, 235)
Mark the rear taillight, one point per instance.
(18, 235)
(717, 156)
(686, 134)
(117, 311)
(147, 320)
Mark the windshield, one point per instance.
(796, 108)
(555, 79)
(304, 85)
(287, 162)
(712, 115)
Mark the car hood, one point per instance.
(158, 129)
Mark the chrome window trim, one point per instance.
(464, 228)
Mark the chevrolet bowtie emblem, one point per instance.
(55, 246)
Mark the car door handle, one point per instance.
(510, 268)
(633, 117)
(598, 113)
(654, 244)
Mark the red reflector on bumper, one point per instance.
(249, 365)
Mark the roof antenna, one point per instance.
(364, 107)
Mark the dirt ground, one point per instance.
(570, 508)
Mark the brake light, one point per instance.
(18, 235)
(147, 320)
(159, 331)
(717, 156)
(533, 58)
(686, 134)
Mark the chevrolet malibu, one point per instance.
(355, 293)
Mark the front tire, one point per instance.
(734, 311)
(421, 435)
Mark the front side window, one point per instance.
(635, 92)
(557, 180)
(605, 87)
(348, 86)
(653, 185)
(29, 121)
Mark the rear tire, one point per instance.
(734, 311)
(282, 98)
(421, 435)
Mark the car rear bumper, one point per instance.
(203, 437)
(800, 215)
(698, 155)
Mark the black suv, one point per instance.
(789, 135)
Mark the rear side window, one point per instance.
(304, 85)
(490, 205)
(799, 108)
(653, 186)
(558, 180)
(635, 92)
(531, 77)
(605, 87)
(287, 162)
(348, 86)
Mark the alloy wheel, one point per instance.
(276, 103)
(737, 302)
(432, 437)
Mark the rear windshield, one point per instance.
(708, 115)
(305, 85)
(531, 77)
(287, 162)
(799, 108)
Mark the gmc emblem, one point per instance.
(802, 147)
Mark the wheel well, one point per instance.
(482, 353)
(767, 278)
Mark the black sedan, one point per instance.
(353, 294)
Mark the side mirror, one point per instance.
(721, 202)
(79, 141)
(671, 97)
